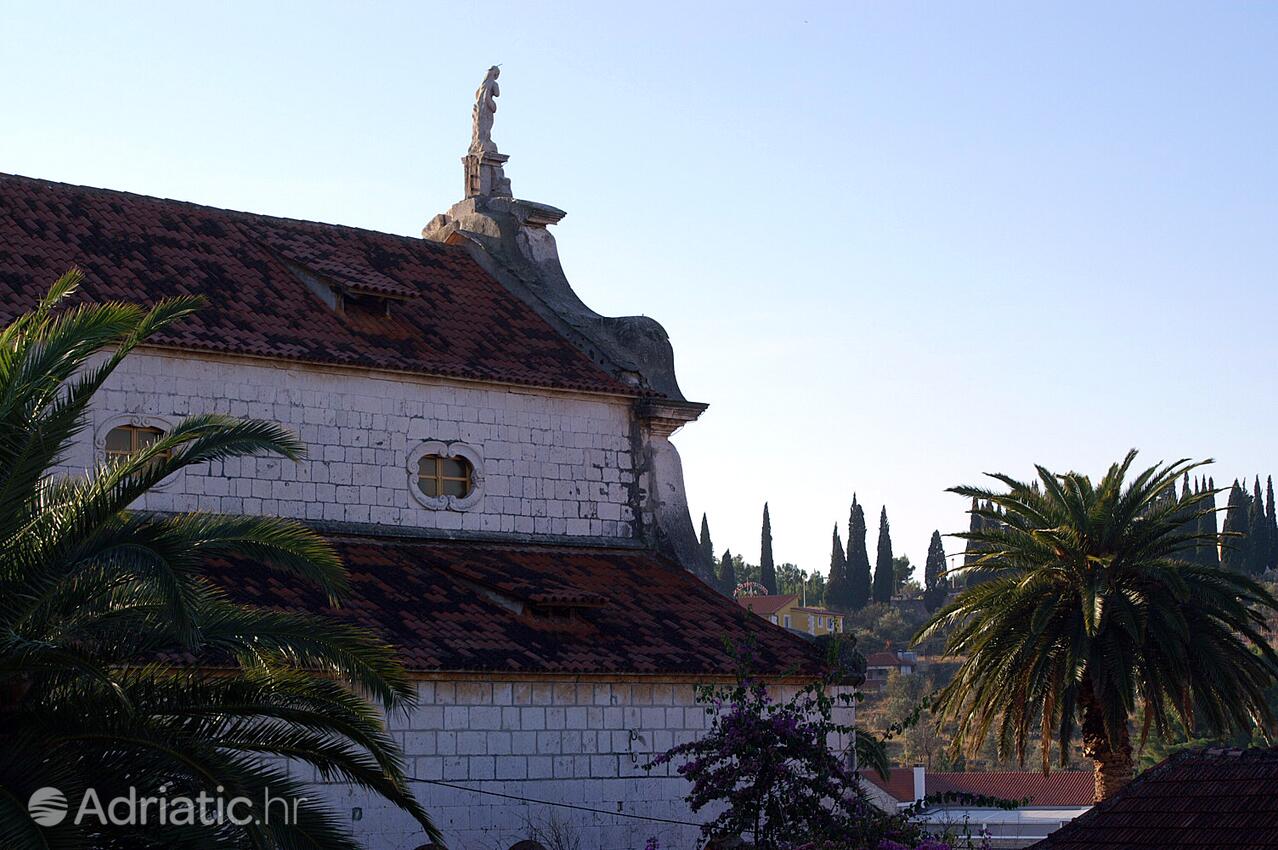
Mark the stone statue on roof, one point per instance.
(485, 108)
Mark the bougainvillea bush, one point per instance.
(770, 765)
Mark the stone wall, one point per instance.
(577, 741)
(552, 463)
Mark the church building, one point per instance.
(490, 457)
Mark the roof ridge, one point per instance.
(195, 205)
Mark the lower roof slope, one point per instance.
(1205, 798)
(463, 606)
(1063, 788)
(427, 308)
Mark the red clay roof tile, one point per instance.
(1059, 788)
(453, 605)
(447, 316)
(1206, 798)
(886, 659)
(765, 605)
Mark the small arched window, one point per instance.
(445, 476)
(127, 440)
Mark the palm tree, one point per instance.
(1090, 608)
(121, 665)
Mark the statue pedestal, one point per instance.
(484, 175)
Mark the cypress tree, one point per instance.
(1271, 520)
(935, 586)
(836, 587)
(1200, 547)
(1233, 540)
(1189, 523)
(858, 586)
(884, 577)
(1257, 533)
(1198, 522)
(979, 522)
(727, 574)
(1210, 526)
(970, 554)
(767, 572)
(707, 548)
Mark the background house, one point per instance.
(786, 611)
(879, 665)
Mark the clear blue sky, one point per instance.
(895, 244)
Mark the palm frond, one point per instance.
(98, 605)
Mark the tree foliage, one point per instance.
(767, 570)
(707, 546)
(1093, 606)
(837, 587)
(728, 578)
(903, 582)
(1271, 522)
(860, 583)
(884, 572)
(935, 584)
(1208, 548)
(1233, 544)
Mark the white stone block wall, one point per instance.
(553, 463)
(578, 741)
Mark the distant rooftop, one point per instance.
(765, 605)
(884, 658)
(1059, 788)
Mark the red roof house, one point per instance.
(966, 801)
(785, 610)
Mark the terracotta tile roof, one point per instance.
(1058, 788)
(822, 611)
(447, 316)
(1205, 798)
(899, 785)
(765, 605)
(453, 605)
(886, 659)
